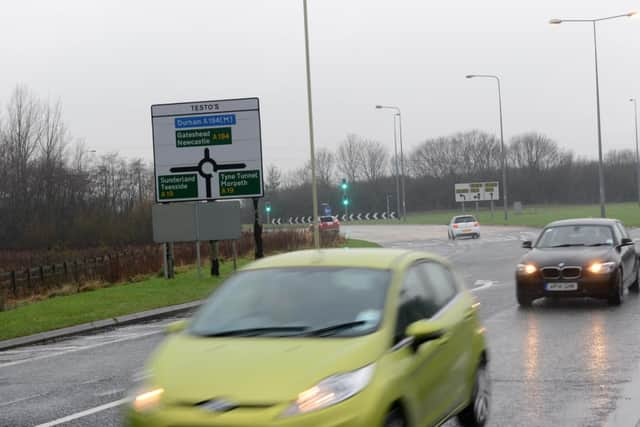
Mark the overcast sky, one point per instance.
(108, 61)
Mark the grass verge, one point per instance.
(355, 243)
(110, 302)
(118, 300)
(532, 216)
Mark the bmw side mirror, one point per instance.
(626, 241)
(527, 244)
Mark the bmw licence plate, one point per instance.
(562, 286)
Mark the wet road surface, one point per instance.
(561, 363)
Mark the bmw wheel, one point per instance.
(635, 286)
(617, 293)
(524, 300)
(476, 413)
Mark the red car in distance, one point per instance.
(329, 223)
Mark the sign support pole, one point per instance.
(257, 230)
(234, 247)
(198, 258)
(165, 267)
(171, 261)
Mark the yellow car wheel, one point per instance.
(476, 413)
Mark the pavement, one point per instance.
(562, 363)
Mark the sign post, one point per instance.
(204, 151)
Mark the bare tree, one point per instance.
(324, 166)
(350, 161)
(22, 134)
(297, 177)
(375, 159)
(535, 152)
(273, 179)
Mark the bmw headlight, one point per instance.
(602, 267)
(527, 269)
(330, 391)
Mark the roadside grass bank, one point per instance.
(531, 216)
(121, 299)
(356, 243)
(536, 216)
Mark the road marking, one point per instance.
(84, 413)
(21, 399)
(482, 284)
(88, 347)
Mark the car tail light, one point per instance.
(455, 225)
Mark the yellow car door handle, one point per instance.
(468, 315)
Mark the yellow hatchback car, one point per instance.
(331, 338)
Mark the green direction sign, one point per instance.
(200, 137)
(240, 183)
(177, 186)
(490, 186)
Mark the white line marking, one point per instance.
(20, 400)
(84, 413)
(88, 347)
(36, 349)
(482, 284)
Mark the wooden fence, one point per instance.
(117, 267)
(111, 268)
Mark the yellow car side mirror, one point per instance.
(425, 330)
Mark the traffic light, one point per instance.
(345, 201)
(267, 207)
(344, 185)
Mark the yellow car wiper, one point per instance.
(336, 328)
(255, 331)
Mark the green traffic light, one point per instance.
(345, 202)
(344, 184)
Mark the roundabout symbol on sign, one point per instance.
(206, 168)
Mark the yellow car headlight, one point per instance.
(527, 269)
(147, 399)
(602, 267)
(330, 391)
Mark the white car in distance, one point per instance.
(464, 225)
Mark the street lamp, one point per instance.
(557, 21)
(314, 189)
(502, 149)
(399, 115)
(635, 113)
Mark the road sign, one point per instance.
(207, 150)
(477, 191)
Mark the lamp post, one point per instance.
(594, 21)
(505, 199)
(399, 115)
(314, 188)
(635, 116)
